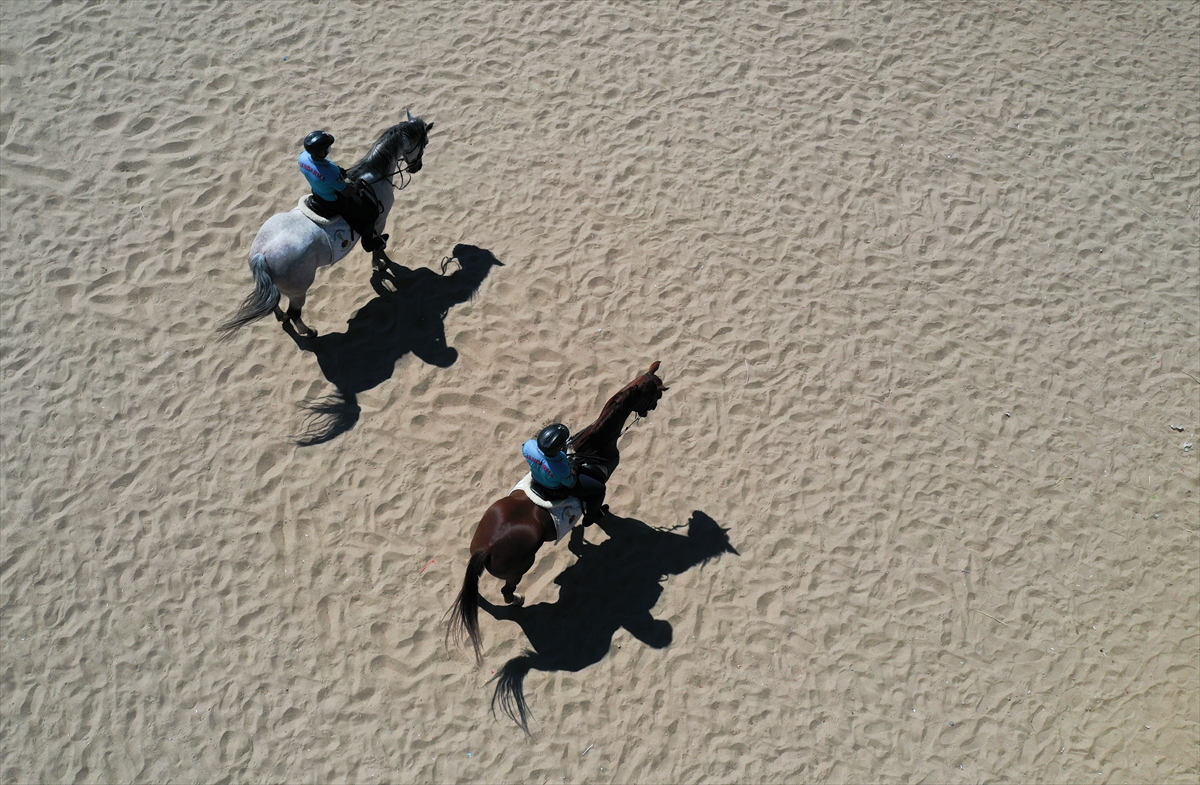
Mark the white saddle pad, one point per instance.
(341, 237)
(565, 512)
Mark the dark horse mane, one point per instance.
(616, 405)
(385, 153)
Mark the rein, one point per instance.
(402, 164)
(401, 169)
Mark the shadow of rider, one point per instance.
(407, 315)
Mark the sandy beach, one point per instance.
(920, 505)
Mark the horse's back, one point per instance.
(289, 235)
(294, 248)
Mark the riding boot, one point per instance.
(594, 509)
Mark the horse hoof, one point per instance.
(302, 329)
(515, 599)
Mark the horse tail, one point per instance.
(258, 303)
(329, 417)
(510, 690)
(464, 614)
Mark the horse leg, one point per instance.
(379, 260)
(379, 257)
(511, 579)
(295, 305)
(510, 594)
(512, 531)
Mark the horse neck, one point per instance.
(383, 161)
(601, 436)
(384, 167)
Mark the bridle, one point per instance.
(402, 163)
(638, 417)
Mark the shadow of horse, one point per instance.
(407, 316)
(614, 584)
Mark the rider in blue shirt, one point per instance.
(332, 194)
(323, 175)
(554, 477)
(547, 461)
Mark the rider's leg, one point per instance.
(370, 211)
(591, 492)
(361, 215)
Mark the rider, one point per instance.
(333, 195)
(554, 474)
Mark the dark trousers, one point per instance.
(359, 213)
(585, 488)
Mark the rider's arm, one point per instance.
(338, 183)
(350, 186)
(562, 470)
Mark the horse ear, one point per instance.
(653, 367)
(429, 128)
(409, 113)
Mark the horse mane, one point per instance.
(384, 154)
(612, 408)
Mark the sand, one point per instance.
(925, 285)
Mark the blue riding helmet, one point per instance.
(552, 439)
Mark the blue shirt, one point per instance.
(551, 472)
(324, 176)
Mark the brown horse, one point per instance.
(513, 528)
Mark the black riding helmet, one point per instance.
(318, 143)
(552, 439)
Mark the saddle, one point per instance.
(363, 209)
(359, 214)
(566, 512)
(593, 470)
(312, 209)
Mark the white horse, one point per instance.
(290, 246)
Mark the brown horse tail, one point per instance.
(464, 614)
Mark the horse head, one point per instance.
(420, 137)
(649, 389)
(402, 142)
